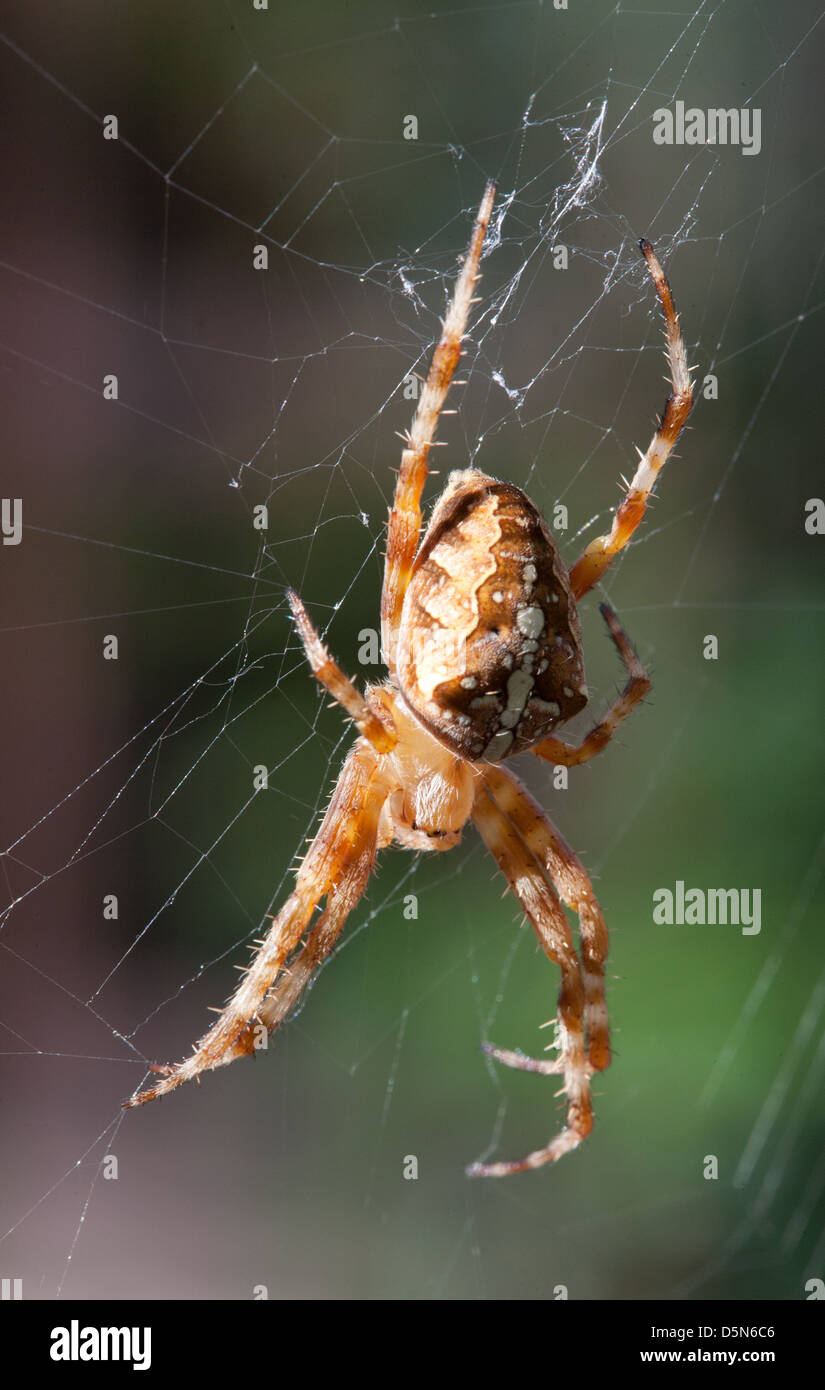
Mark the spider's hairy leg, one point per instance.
(573, 886)
(405, 517)
(340, 687)
(538, 900)
(590, 566)
(290, 984)
(560, 861)
(337, 866)
(555, 750)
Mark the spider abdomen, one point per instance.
(489, 651)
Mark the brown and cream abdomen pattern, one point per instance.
(489, 651)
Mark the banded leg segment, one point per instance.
(337, 866)
(573, 886)
(555, 750)
(546, 914)
(590, 566)
(340, 687)
(342, 898)
(405, 517)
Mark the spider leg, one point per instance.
(518, 863)
(337, 866)
(405, 517)
(590, 566)
(340, 687)
(555, 750)
(573, 886)
(291, 983)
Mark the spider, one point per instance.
(482, 644)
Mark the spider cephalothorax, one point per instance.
(482, 644)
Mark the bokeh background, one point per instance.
(284, 127)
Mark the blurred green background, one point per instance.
(238, 128)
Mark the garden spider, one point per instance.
(482, 643)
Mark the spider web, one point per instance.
(137, 779)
